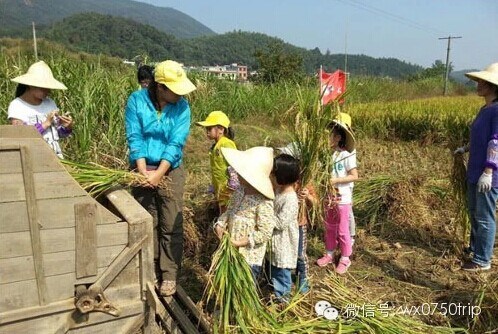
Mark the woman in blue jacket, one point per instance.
(157, 126)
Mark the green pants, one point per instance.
(168, 223)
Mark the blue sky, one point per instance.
(403, 29)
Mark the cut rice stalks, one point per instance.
(97, 179)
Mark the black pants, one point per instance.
(168, 223)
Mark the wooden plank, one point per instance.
(17, 269)
(99, 322)
(48, 325)
(118, 264)
(56, 185)
(42, 153)
(176, 311)
(11, 161)
(25, 314)
(159, 309)
(128, 207)
(64, 262)
(13, 217)
(34, 222)
(129, 275)
(15, 244)
(12, 188)
(59, 212)
(86, 215)
(18, 295)
(60, 287)
(189, 304)
(133, 325)
(18, 131)
(63, 239)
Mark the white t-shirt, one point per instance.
(342, 163)
(31, 114)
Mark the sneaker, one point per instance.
(473, 267)
(342, 266)
(167, 288)
(323, 261)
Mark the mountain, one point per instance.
(16, 15)
(115, 36)
(460, 77)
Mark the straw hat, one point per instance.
(344, 121)
(216, 118)
(490, 74)
(39, 75)
(254, 165)
(171, 74)
(291, 149)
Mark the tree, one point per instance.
(437, 70)
(276, 64)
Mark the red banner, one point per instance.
(332, 85)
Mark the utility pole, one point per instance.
(449, 38)
(34, 41)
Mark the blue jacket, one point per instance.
(154, 137)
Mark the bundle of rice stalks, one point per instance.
(236, 297)
(459, 186)
(371, 197)
(97, 179)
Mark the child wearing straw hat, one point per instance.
(250, 217)
(343, 173)
(223, 178)
(33, 106)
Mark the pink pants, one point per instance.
(337, 229)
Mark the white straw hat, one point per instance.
(39, 75)
(489, 74)
(254, 165)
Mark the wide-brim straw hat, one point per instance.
(172, 74)
(216, 118)
(39, 75)
(253, 165)
(489, 74)
(344, 121)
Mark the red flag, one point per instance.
(332, 85)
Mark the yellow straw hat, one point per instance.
(171, 74)
(39, 75)
(489, 74)
(254, 165)
(215, 118)
(344, 121)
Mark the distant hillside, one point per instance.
(16, 15)
(125, 38)
(115, 36)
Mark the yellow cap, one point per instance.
(216, 118)
(171, 74)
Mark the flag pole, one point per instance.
(320, 86)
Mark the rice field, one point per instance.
(409, 239)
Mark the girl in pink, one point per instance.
(338, 207)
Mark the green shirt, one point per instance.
(219, 173)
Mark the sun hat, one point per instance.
(489, 74)
(254, 165)
(39, 75)
(344, 121)
(171, 74)
(291, 149)
(215, 118)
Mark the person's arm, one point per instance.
(134, 133)
(173, 150)
(492, 150)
